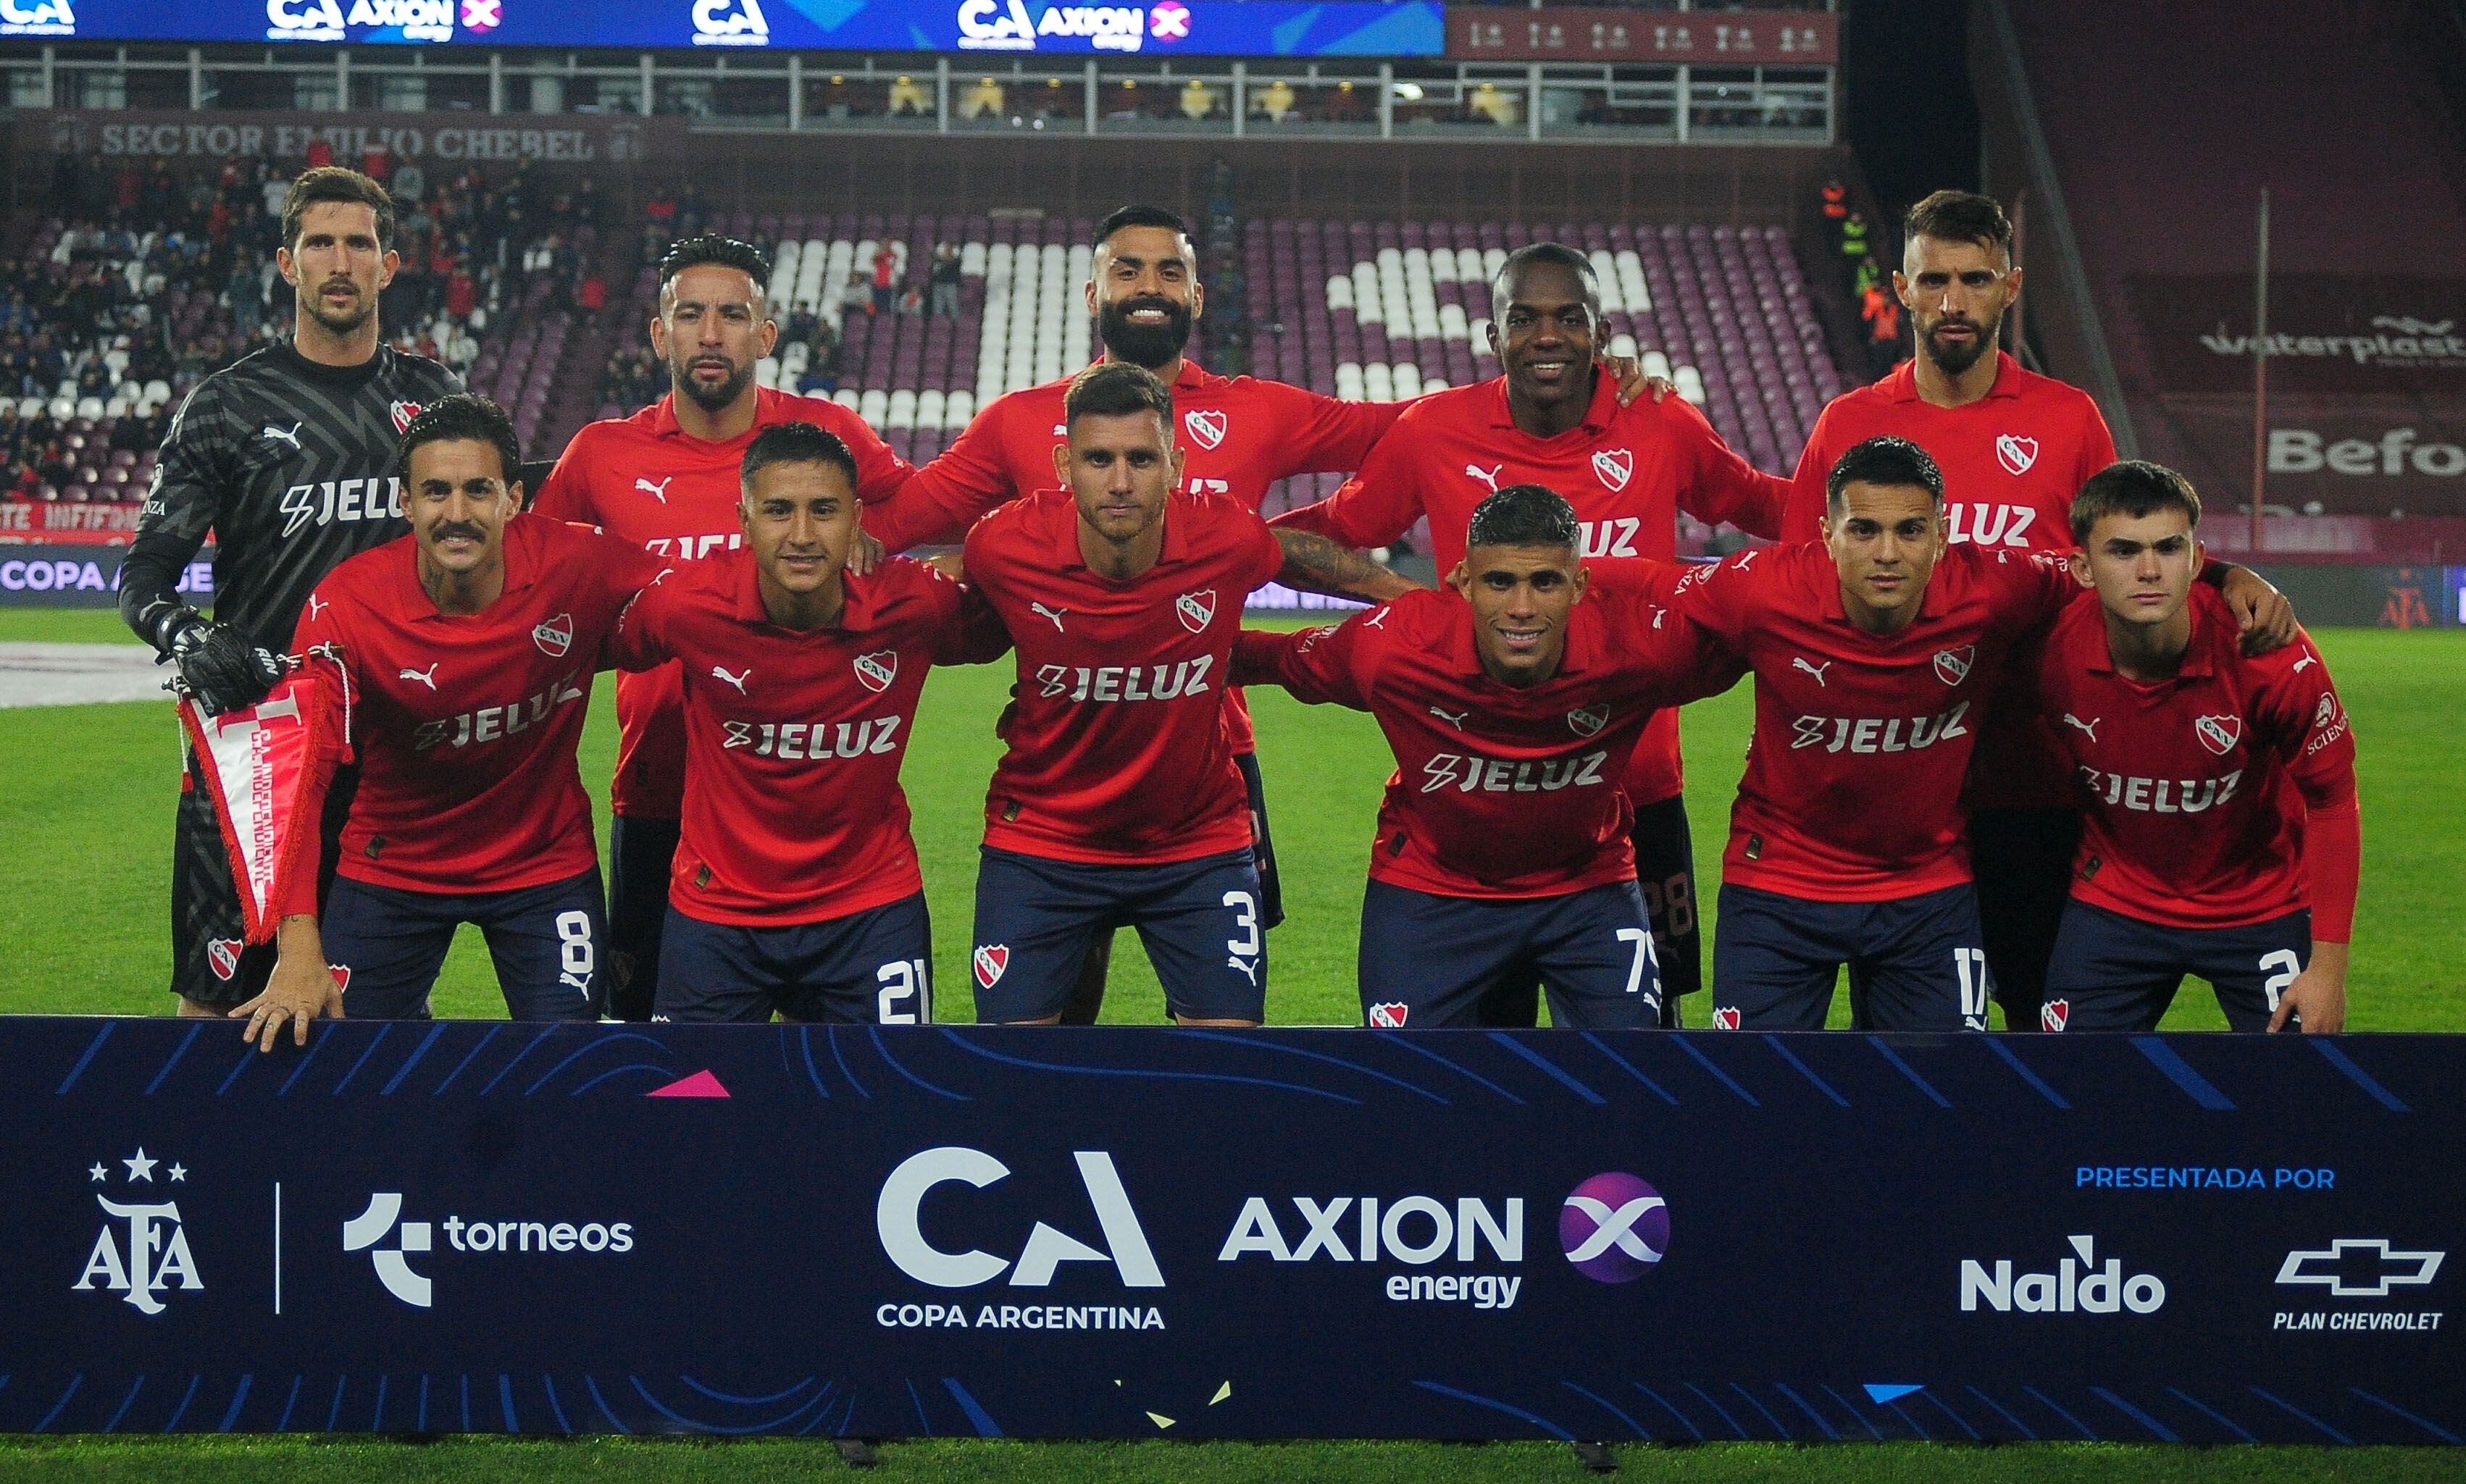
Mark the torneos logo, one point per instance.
(899, 1220)
(1615, 1227)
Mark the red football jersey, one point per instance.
(1117, 750)
(644, 480)
(1627, 471)
(1500, 791)
(1238, 436)
(2194, 788)
(2013, 461)
(466, 725)
(1853, 788)
(792, 810)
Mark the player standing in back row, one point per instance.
(287, 459)
(666, 479)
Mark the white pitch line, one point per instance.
(78, 674)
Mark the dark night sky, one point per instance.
(1910, 112)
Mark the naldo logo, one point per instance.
(2080, 1285)
(142, 1252)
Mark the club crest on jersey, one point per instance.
(1195, 610)
(1389, 1017)
(1615, 466)
(1725, 1017)
(1952, 666)
(1206, 428)
(2218, 734)
(2016, 453)
(876, 671)
(403, 412)
(1586, 720)
(555, 636)
(2055, 1014)
(989, 961)
(222, 956)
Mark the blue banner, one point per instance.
(473, 1227)
(1167, 28)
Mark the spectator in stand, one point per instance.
(319, 154)
(591, 297)
(885, 279)
(911, 299)
(1882, 313)
(946, 280)
(802, 323)
(410, 183)
(854, 298)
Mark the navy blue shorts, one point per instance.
(1427, 959)
(868, 968)
(2117, 973)
(1199, 919)
(1915, 962)
(639, 853)
(548, 942)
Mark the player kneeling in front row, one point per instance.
(795, 887)
(2223, 837)
(467, 648)
(1512, 699)
(1119, 803)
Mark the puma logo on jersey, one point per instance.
(1053, 613)
(1878, 734)
(2088, 728)
(738, 680)
(2304, 663)
(1487, 476)
(1817, 670)
(316, 605)
(1454, 718)
(426, 677)
(659, 491)
(290, 435)
(1471, 773)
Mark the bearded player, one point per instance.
(795, 889)
(287, 459)
(468, 647)
(1511, 697)
(2223, 835)
(1553, 418)
(668, 480)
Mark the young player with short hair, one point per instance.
(2223, 834)
(1512, 699)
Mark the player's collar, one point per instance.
(856, 607)
(1902, 385)
(521, 565)
(1598, 414)
(1065, 530)
(1191, 376)
(767, 410)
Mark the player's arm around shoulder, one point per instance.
(1333, 663)
(2264, 616)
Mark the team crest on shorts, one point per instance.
(1615, 466)
(2053, 1014)
(1389, 1017)
(403, 413)
(990, 959)
(2218, 734)
(1206, 428)
(1586, 720)
(1952, 666)
(2016, 453)
(222, 956)
(342, 973)
(555, 637)
(876, 671)
(1195, 610)
(1725, 1017)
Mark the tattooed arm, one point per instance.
(1315, 563)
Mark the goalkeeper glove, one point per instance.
(222, 670)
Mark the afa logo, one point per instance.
(1615, 467)
(143, 1249)
(2016, 453)
(1390, 1016)
(1195, 610)
(555, 636)
(875, 672)
(990, 961)
(2218, 734)
(1207, 428)
(1952, 666)
(1615, 1227)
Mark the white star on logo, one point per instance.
(97, 1172)
(179, 1172)
(141, 1168)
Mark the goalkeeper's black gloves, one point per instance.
(221, 669)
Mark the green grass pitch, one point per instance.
(86, 805)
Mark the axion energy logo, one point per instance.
(1615, 1227)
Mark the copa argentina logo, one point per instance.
(729, 22)
(142, 1252)
(1122, 1245)
(367, 1232)
(2080, 1285)
(41, 18)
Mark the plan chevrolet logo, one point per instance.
(2360, 1268)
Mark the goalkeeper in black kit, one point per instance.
(286, 459)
